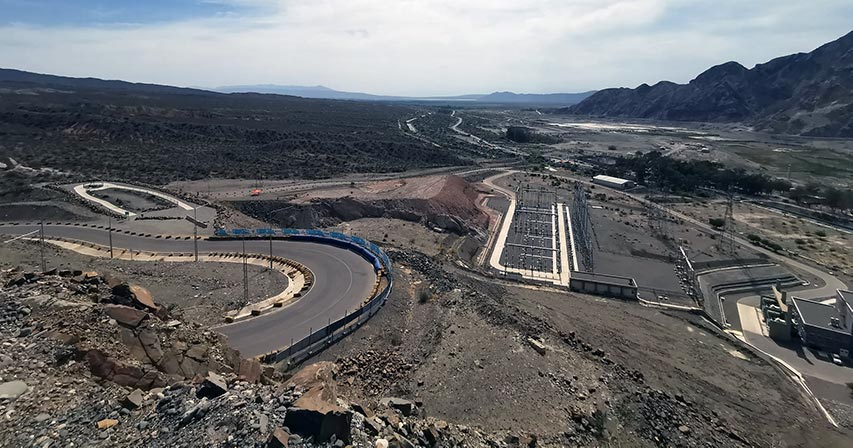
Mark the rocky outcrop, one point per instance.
(316, 413)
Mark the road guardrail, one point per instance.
(300, 350)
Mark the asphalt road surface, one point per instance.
(342, 281)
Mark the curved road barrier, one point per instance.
(319, 337)
(343, 280)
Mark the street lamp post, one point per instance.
(111, 235)
(195, 233)
(41, 237)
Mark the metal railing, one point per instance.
(310, 233)
(333, 331)
(340, 327)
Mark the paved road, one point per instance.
(82, 191)
(343, 280)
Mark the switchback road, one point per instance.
(342, 281)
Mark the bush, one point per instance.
(820, 233)
(717, 222)
(424, 295)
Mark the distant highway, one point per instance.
(342, 281)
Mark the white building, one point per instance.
(613, 182)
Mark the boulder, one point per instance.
(11, 390)
(133, 400)
(63, 338)
(398, 441)
(135, 294)
(143, 296)
(16, 280)
(372, 426)
(406, 407)
(320, 420)
(316, 412)
(249, 370)
(197, 352)
(107, 368)
(125, 315)
(432, 435)
(213, 386)
(278, 439)
(362, 409)
(107, 423)
(537, 345)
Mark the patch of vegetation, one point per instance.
(717, 222)
(424, 295)
(158, 137)
(689, 176)
(521, 134)
(758, 241)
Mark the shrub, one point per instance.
(717, 222)
(424, 295)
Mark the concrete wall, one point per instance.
(603, 289)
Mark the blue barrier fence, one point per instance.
(362, 243)
(301, 349)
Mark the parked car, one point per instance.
(837, 360)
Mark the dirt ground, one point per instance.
(643, 377)
(199, 292)
(828, 246)
(132, 200)
(410, 188)
(396, 233)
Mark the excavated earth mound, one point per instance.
(445, 202)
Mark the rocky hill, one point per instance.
(803, 93)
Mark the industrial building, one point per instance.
(613, 182)
(823, 326)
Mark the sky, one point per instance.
(409, 47)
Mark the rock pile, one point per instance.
(440, 281)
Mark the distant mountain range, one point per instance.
(23, 79)
(803, 93)
(322, 92)
(11, 78)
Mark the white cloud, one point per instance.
(425, 47)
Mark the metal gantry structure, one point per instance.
(533, 224)
(727, 231)
(582, 226)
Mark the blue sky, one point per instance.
(409, 47)
(108, 12)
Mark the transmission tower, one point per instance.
(582, 226)
(727, 231)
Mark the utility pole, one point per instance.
(195, 233)
(111, 235)
(43, 265)
(245, 276)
